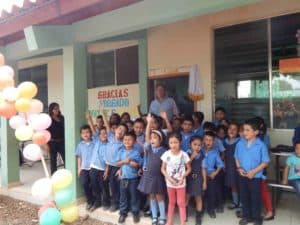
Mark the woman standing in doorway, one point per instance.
(57, 131)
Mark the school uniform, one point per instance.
(199, 131)
(112, 148)
(99, 186)
(185, 143)
(212, 161)
(250, 189)
(129, 181)
(231, 175)
(195, 179)
(152, 181)
(84, 150)
(293, 162)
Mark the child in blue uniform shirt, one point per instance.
(84, 152)
(129, 159)
(213, 165)
(198, 119)
(251, 157)
(291, 174)
(187, 132)
(99, 170)
(115, 142)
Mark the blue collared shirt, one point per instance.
(111, 152)
(185, 143)
(218, 145)
(211, 160)
(251, 156)
(167, 105)
(139, 144)
(129, 172)
(99, 150)
(84, 150)
(199, 131)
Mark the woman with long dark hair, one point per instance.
(57, 130)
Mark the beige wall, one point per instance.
(55, 76)
(191, 42)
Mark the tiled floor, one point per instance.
(287, 210)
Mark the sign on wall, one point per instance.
(115, 99)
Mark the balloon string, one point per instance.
(45, 166)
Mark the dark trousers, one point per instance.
(220, 189)
(250, 195)
(56, 147)
(100, 188)
(86, 185)
(128, 192)
(114, 185)
(214, 195)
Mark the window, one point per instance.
(286, 79)
(117, 67)
(38, 75)
(177, 88)
(243, 70)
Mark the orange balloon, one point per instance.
(39, 138)
(7, 109)
(6, 80)
(22, 105)
(2, 59)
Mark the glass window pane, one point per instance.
(241, 65)
(127, 65)
(285, 70)
(101, 69)
(38, 75)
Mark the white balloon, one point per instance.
(42, 188)
(7, 70)
(11, 94)
(17, 121)
(32, 152)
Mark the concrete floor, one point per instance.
(287, 209)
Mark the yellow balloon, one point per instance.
(70, 213)
(22, 105)
(27, 89)
(61, 179)
(24, 133)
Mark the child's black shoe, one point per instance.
(258, 222)
(122, 219)
(212, 214)
(245, 221)
(136, 218)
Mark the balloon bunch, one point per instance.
(31, 124)
(63, 207)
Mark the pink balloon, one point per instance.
(7, 70)
(40, 121)
(36, 106)
(45, 207)
(17, 121)
(2, 59)
(6, 80)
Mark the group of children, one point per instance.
(123, 164)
